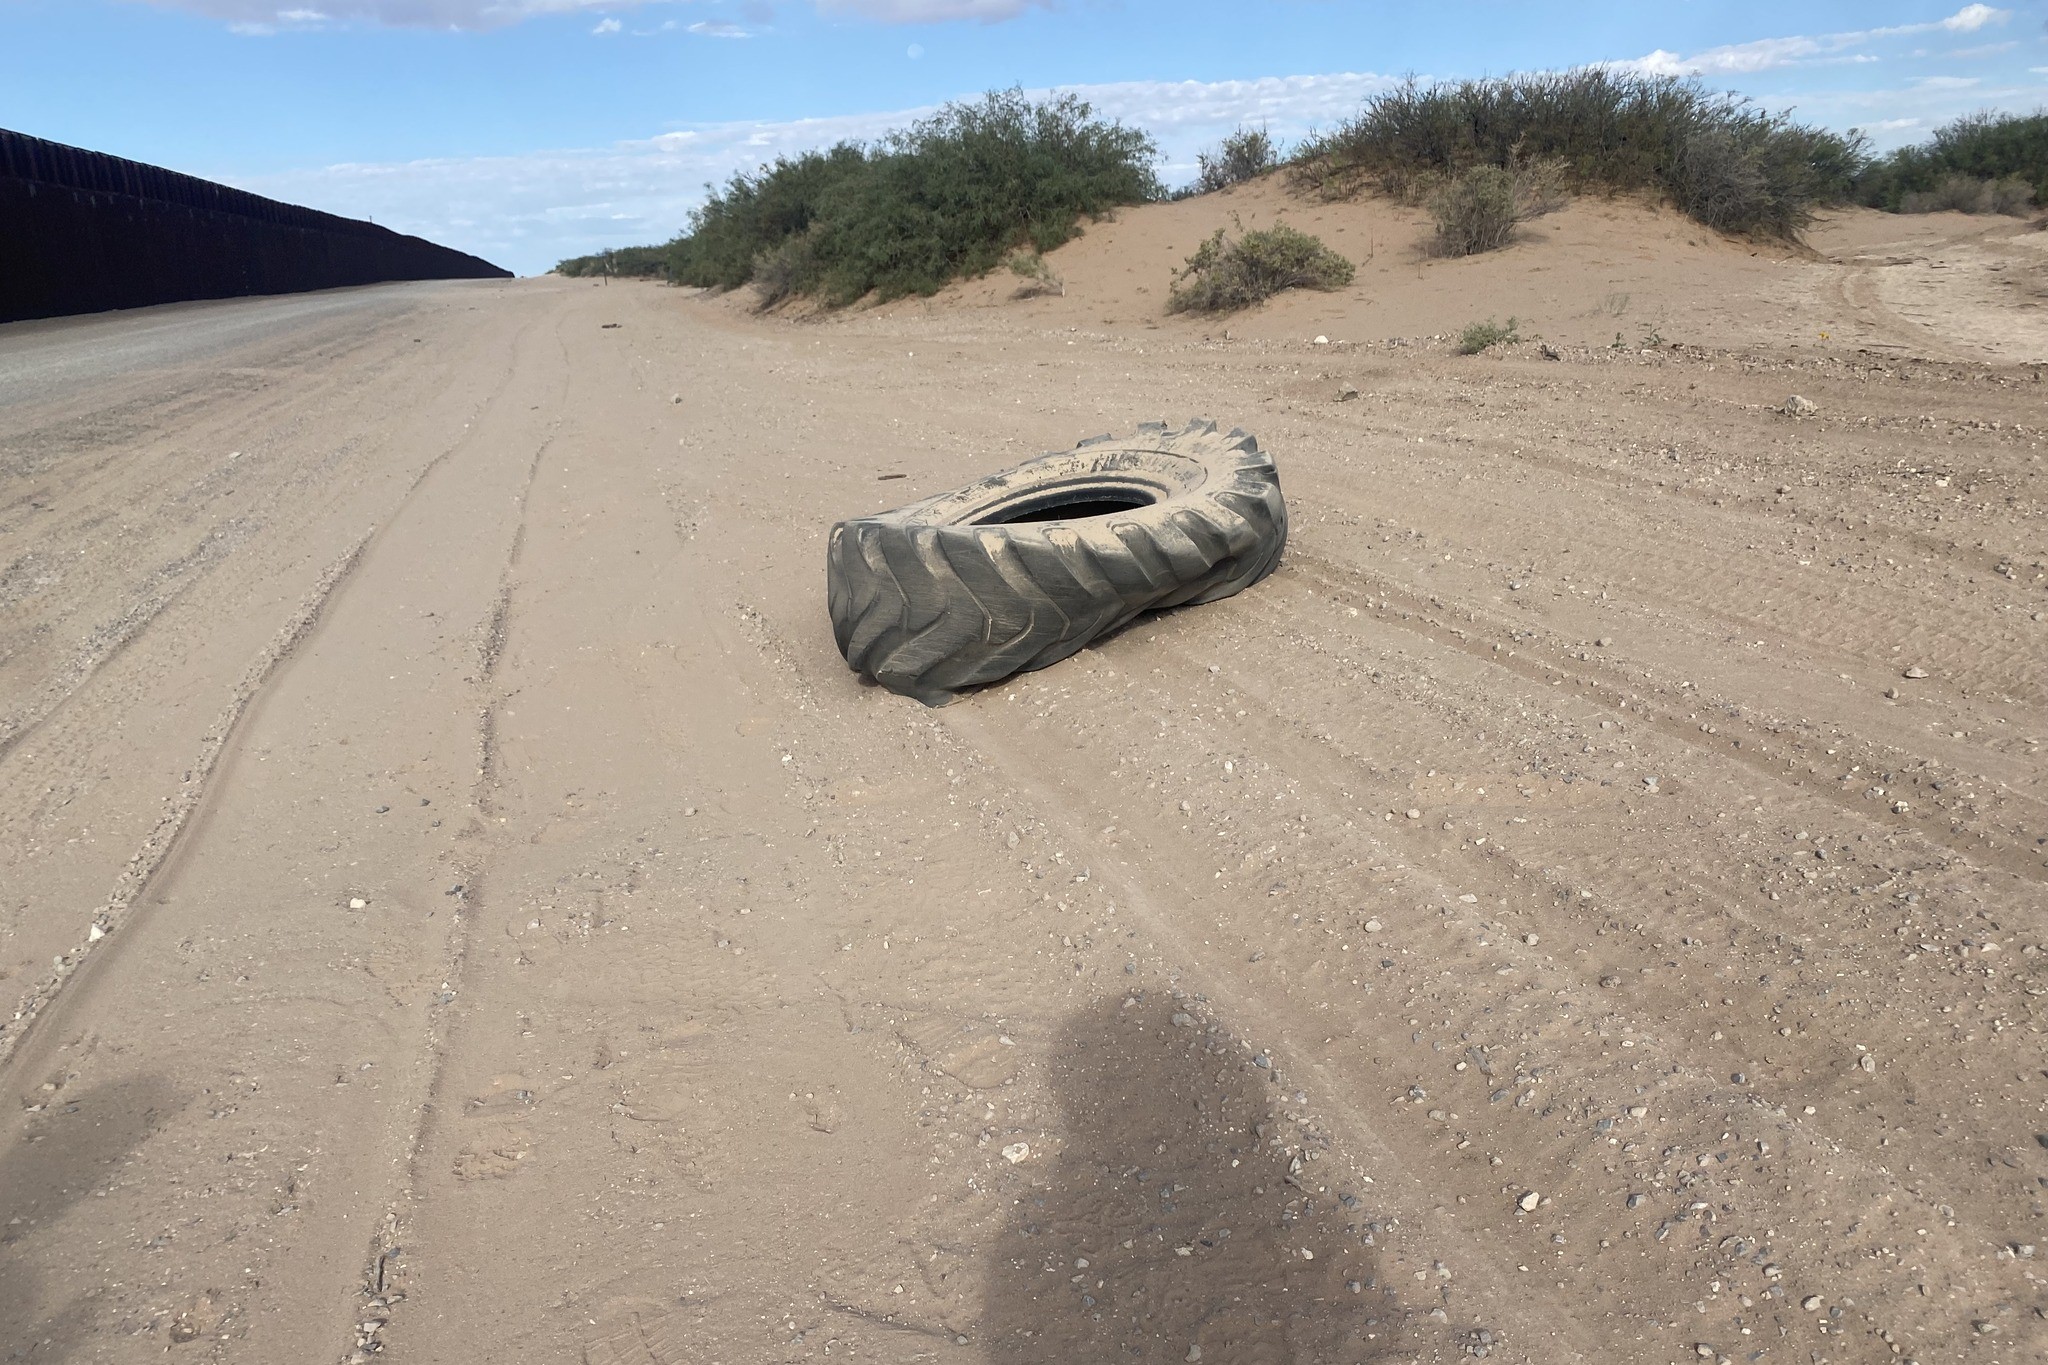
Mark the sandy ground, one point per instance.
(1587, 906)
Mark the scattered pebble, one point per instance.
(1811, 1303)
(357, 903)
(1016, 1152)
(1914, 672)
(1528, 1202)
(1795, 406)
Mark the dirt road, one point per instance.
(1587, 906)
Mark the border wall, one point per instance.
(82, 232)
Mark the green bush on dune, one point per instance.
(1225, 275)
(1245, 155)
(1479, 208)
(977, 183)
(1977, 164)
(1717, 157)
(637, 262)
(950, 197)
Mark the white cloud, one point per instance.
(1970, 18)
(607, 26)
(718, 28)
(1766, 54)
(1891, 115)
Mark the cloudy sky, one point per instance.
(530, 130)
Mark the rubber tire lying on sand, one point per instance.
(1025, 567)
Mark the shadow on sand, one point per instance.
(58, 1158)
(1168, 1224)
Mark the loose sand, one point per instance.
(1586, 906)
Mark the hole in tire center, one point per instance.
(1092, 502)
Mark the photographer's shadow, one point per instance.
(1168, 1225)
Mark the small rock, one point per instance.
(1194, 1353)
(1811, 1303)
(1373, 926)
(1610, 981)
(1531, 940)
(1795, 406)
(1604, 641)
(675, 398)
(1347, 394)
(1528, 1202)
(1914, 672)
(1638, 1199)
(1549, 352)
(1703, 1350)
(1900, 807)
(1414, 814)
(1322, 341)
(1867, 1062)
(357, 903)
(1016, 1152)
(1183, 1021)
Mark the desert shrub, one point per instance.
(783, 272)
(1477, 336)
(1479, 208)
(1599, 128)
(757, 212)
(1037, 276)
(1475, 211)
(948, 197)
(1245, 155)
(1962, 194)
(1978, 147)
(1225, 275)
(635, 262)
(2010, 195)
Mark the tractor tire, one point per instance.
(1025, 567)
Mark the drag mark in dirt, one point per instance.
(1340, 585)
(384, 1278)
(161, 841)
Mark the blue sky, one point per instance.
(527, 130)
